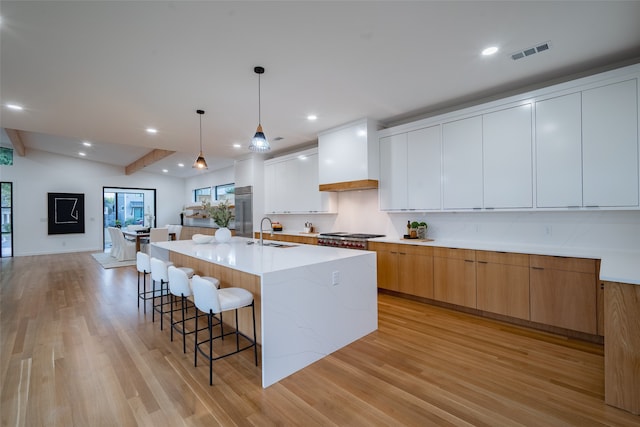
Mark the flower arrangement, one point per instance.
(221, 213)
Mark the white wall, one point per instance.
(39, 173)
(358, 213)
(207, 179)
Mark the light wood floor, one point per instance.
(76, 351)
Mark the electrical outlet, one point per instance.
(335, 278)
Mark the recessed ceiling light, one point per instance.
(165, 170)
(237, 146)
(181, 165)
(490, 51)
(82, 153)
(86, 143)
(15, 107)
(312, 117)
(152, 130)
(362, 132)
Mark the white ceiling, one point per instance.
(103, 71)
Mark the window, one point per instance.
(202, 194)
(6, 156)
(225, 192)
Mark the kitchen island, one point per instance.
(310, 300)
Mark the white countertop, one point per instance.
(256, 259)
(615, 266)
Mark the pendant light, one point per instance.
(200, 162)
(259, 142)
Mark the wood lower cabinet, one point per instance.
(564, 292)
(454, 276)
(502, 281)
(290, 238)
(405, 268)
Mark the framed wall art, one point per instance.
(66, 213)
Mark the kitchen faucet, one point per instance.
(261, 222)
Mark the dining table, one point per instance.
(138, 236)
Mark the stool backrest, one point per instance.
(205, 295)
(159, 270)
(143, 262)
(178, 282)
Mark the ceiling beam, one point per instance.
(146, 160)
(16, 140)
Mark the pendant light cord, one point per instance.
(259, 102)
(200, 133)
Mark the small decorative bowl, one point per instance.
(201, 238)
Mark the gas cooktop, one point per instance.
(351, 235)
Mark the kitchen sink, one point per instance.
(278, 245)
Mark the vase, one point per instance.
(223, 235)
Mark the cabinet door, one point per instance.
(387, 262)
(454, 277)
(559, 152)
(462, 163)
(424, 168)
(563, 293)
(503, 283)
(610, 145)
(393, 172)
(415, 271)
(269, 188)
(507, 165)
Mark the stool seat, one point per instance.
(187, 270)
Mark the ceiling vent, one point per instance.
(531, 51)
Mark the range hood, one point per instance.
(348, 157)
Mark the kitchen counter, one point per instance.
(244, 255)
(615, 266)
(310, 301)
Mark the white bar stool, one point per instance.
(180, 286)
(211, 301)
(160, 274)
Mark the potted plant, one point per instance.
(222, 214)
(118, 223)
(414, 229)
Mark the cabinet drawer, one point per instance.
(503, 258)
(465, 254)
(580, 265)
(381, 246)
(415, 250)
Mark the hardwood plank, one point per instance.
(76, 351)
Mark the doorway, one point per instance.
(123, 207)
(6, 225)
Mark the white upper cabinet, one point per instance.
(424, 171)
(559, 152)
(507, 159)
(573, 145)
(410, 170)
(291, 185)
(462, 163)
(392, 190)
(610, 145)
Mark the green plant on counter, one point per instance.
(415, 224)
(221, 213)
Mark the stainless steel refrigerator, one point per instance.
(244, 211)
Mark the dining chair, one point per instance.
(158, 235)
(124, 249)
